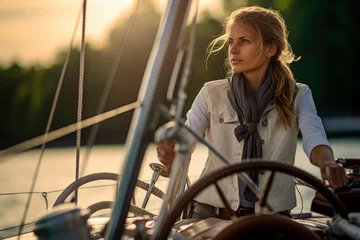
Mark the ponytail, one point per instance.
(284, 93)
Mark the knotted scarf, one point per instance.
(249, 109)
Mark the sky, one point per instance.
(31, 31)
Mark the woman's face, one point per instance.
(244, 49)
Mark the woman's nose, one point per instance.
(233, 49)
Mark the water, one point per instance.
(58, 171)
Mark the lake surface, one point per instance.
(58, 171)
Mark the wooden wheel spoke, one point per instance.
(228, 209)
(267, 189)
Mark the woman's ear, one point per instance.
(271, 50)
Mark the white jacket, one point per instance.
(279, 144)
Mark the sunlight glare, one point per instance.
(104, 12)
(48, 25)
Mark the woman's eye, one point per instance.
(245, 41)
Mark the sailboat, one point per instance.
(338, 216)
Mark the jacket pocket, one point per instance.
(225, 116)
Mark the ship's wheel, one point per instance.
(244, 227)
(137, 211)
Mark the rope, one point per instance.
(80, 98)
(140, 211)
(44, 137)
(106, 91)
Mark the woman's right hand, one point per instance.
(166, 153)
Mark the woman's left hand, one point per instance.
(334, 174)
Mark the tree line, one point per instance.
(321, 32)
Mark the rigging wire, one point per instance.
(181, 98)
(80, 100)
(106, 91)
(37, 141)
(54, 191)
(80, 96)
(187, 68)
(44, 137)
(79, 123)
(44, 195)
(26, 224)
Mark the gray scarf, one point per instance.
(249, 110)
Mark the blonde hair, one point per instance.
(271, 29)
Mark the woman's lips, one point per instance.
(235, 61)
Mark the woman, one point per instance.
(256, 113)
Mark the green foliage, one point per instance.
(321, 32)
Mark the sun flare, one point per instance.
(48, 25)
(103, 12)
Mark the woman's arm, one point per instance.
(197, 119)
(315, 143)
(322, 156)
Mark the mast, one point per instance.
(145, 119)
